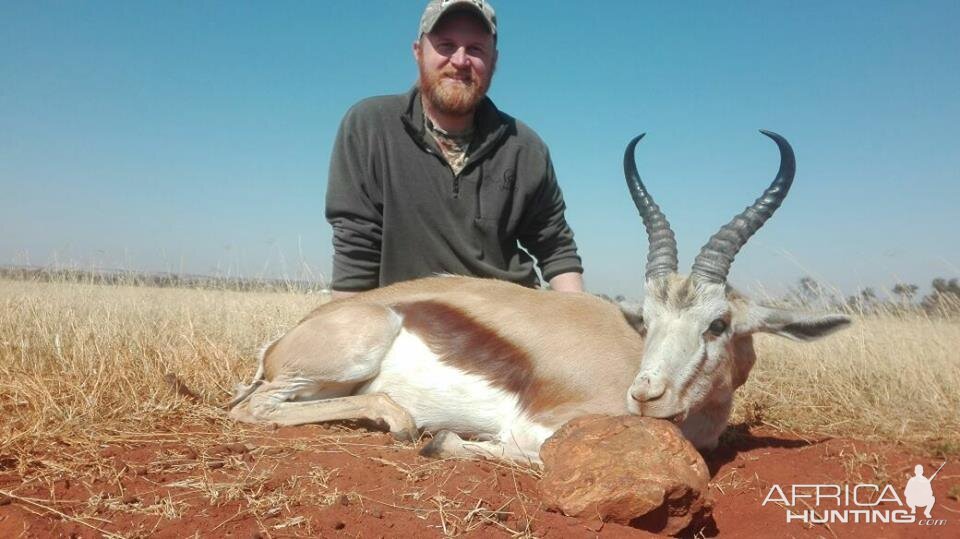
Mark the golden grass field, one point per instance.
(81, 362)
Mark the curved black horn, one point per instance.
(662, 256)
(713, 262)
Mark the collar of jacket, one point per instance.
(492, 127)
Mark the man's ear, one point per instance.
(796, 326)
(416, 51)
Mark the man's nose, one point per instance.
(646, 389)
(459, 58)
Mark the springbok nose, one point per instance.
(645, 389)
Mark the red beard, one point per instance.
(450, 94)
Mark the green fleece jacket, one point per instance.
(399, 212)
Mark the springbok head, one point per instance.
(698, 347)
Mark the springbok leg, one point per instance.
(446, 444)
(374, 407)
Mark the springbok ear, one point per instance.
(796, 326)
(632, 312)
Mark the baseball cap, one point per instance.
(436, 9)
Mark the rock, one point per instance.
(631, 470)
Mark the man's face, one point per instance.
(456, 63)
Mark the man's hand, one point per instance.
(567, 282)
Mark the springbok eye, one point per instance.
(718, 326)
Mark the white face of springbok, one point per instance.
(698, 349)
(698, 332)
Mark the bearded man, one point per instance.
(438, 180)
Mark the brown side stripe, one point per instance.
(468, 345)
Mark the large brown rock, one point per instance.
(631, 470)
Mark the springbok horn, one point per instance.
(713, 262)
(662, 256)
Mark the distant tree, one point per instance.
(945, 287)
(865, 302)
(806, 292)
(905, 291)
(944, 298)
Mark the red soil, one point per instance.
(332, 481)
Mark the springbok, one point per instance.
(505, 366)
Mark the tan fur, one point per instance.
(339, 330)
(547, 330)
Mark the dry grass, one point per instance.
(83, 363)
(891, 376)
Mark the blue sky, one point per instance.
(195, 136)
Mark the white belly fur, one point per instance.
(441, 397)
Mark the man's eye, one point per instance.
(717, 327)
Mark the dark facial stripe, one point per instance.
(697, 373)
(466, 344)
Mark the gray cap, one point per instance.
(436, 9)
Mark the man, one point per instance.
(439, 181)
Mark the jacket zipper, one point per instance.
(426, 147)
(456, 176)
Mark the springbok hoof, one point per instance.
(439, 446)
(405, 435)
